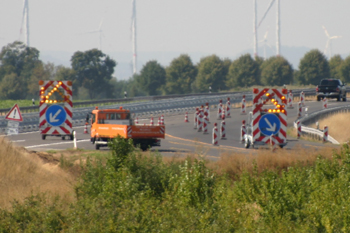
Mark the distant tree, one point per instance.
(93, 71)
(211, 73)
(335, 64)
(67, 74)
(276, 71)
(313, 67)
(180, 74)
(345, 70)
(11, 87)
(243, 72)
(40, 72)
(151, 78)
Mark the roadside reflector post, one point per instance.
(75, 140)
(325, 134)
(317, 125)
(300, 109)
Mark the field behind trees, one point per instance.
(299, 190)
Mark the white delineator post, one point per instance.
(223, 130)
(159, 122)
(243, 131)
(243, 106)
(298, 129)
(75, 139)
(290, 100)
(324, 103)
(300, 109)
(136, 120)
(302, 98)
(215, 135)
(162, 120)
(325, 134)
(228, 107)
(151, 123)
(223, 115)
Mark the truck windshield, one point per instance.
(326, 82)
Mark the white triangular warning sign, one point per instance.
(14, 114)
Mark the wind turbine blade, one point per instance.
(23, 13)
(335, 37)
(268, 8)
(325, 31)
(326, 48)
(99, 28)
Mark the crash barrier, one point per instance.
(315, 117)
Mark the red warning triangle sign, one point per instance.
(14, 114)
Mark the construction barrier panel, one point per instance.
(215, 135)
(290, 100)
(325, 134)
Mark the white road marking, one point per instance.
(19, 141)
(57, 143)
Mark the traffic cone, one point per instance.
(151, 123)
(186, 117)
(85, 129)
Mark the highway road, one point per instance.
(181, 138)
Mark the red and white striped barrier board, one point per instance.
(207, 111)
(267, 122)
(220, 110)
(298, 129)
(223, 130)
(186, 117)
(302, 98)
(228, 107)
(325, 134)
(129, 131)
(200, 120)
(55, 124)
(205, 124)
(243, 131)
(195, 118)
(215, 135)
(243, 106)
(290, 100)
(300, 110)
(324, 103)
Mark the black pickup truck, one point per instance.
(331, 88)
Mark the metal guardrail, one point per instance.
(315, 116)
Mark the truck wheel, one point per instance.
(338, 98)
(281, 146)
(344, 99)
(43, 137)
(144, 147)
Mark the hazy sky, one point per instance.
(222, 27)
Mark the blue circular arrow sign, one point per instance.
(55, 115)
(269, 124)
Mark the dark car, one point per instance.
(331, 88)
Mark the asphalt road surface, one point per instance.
(181, 138)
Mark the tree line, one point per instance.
(92, 73)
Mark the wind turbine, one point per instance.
(265, 43)
(99, 31)
(328, 47)
(25, 22)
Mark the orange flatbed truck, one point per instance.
(107, 124)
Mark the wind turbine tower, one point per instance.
(278, 30)
(133, 29)
(328, 48)
(255, 30)
(25, 22)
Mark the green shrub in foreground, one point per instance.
(139, 193)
